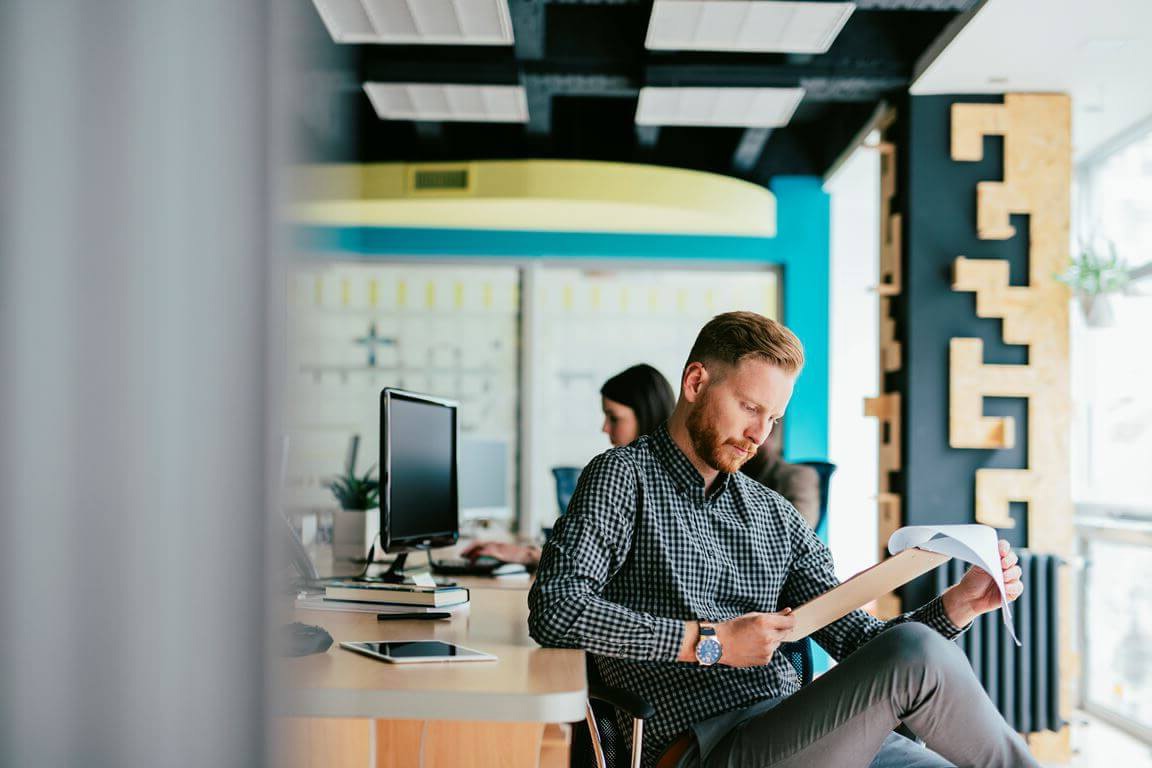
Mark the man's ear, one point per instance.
(694, 382)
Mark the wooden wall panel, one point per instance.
(1036, 131)
(1037, 177)
(886, 407)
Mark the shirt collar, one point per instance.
(686, 477)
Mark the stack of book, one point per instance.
(370, 597)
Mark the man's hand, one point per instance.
(751, 639)
(976, 593)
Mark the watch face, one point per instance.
(708, 650)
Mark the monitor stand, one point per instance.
(397, 575)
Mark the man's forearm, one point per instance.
(574, 620)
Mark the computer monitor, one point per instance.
(484, 479)
(419, 475)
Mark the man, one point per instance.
(679, 574)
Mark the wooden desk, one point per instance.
(463, 714)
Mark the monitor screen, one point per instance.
(419, 501)
(484, 482)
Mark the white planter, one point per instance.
(1097, 310)
(371, 529)
(351, 532)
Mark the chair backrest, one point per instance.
(824, 470)
(566, 478)
(799, 654)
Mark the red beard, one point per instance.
(706, 441)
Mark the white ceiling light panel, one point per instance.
(433, 102)
(417, 22)
(760, 26)
(347, 21)
(737, 107)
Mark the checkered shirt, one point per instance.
(643, 549)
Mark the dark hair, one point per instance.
(643, 389)
(733, 336)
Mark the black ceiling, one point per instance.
(582, 63)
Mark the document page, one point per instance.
(975, 544)
(915, 550)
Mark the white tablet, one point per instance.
(417, 651)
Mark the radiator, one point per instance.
(1023, 682)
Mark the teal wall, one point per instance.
(800, 247)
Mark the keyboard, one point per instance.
(481, 566)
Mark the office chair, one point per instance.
(824, 470)
(566, 478)
(596, 741)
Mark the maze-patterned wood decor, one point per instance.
(1037, 175)
(886, 407)
(1036, 130)
(891, 279)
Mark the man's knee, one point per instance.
(916, 644)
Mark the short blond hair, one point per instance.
(734, 336)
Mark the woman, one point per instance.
(635, 402)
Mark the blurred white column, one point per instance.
(134, 333)
(854, 360)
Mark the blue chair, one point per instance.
(566, 478)
(596, 741)
(824, 470)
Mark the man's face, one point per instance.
(734, 415)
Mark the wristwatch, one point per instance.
(708, 649)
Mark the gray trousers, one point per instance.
(845, 718)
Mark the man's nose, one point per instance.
(759, 431)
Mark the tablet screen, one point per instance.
(419, 650)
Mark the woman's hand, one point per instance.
(503, 551)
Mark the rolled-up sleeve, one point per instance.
(811, 574)
(588, 545)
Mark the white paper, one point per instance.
(975, 544)
(319, 603)
(423, 579)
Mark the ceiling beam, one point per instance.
(951, 6)
(648, 136)
(820, 82)
(528, 28)
(749, 149)
(864, 5)
(541, 87)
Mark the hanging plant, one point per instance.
(1092, 273)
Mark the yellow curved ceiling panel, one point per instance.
(570, 196)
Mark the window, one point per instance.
(1112, 366)
(1112, 447)
(465, 331)
(590, 324)
(448, 330)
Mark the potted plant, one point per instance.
(1093, 275)
(355, 523)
